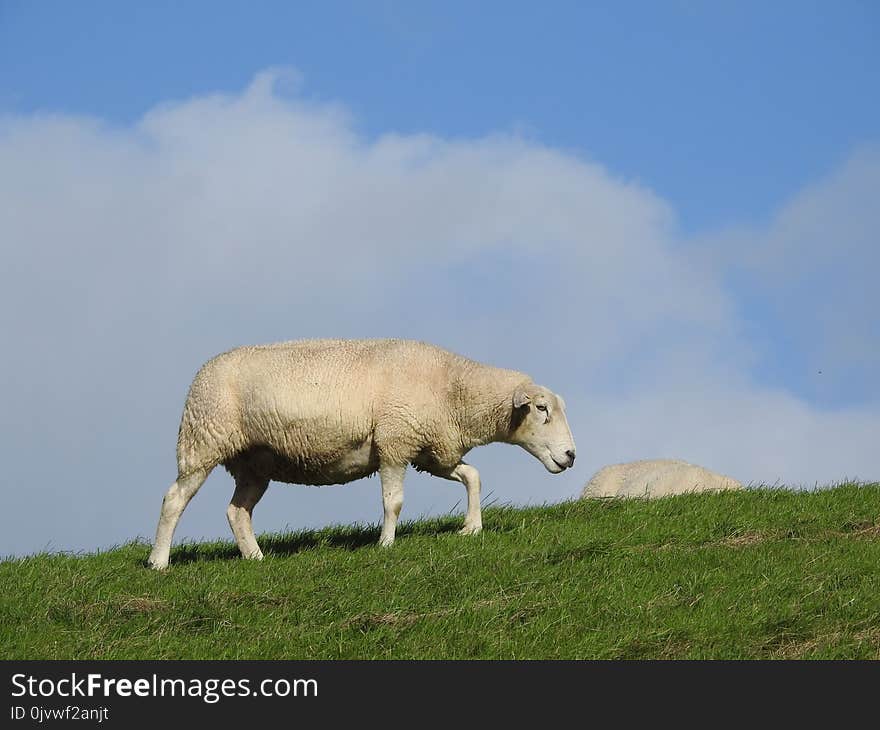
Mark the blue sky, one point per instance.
(723, 107)
(667, 212)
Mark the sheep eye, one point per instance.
(541, 407)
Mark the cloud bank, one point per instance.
(133, 254)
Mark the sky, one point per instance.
(666, 212)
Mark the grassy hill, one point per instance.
(758, 574)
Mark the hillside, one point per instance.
(764, 573)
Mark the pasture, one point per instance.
(763, 573)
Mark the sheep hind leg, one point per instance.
(175, 501)
(470, 477)
(248, 491)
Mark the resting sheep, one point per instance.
(655, 478)
(332, 411)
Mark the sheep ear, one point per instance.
(521, 398)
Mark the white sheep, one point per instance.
(332, 411)
(655, 478)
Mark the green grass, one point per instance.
(764, 573)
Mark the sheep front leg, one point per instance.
(470, 477)
(392, 500)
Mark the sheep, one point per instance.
(323, 412)
(655, 478)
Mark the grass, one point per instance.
(765, 573)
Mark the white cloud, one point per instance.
(133, 254)
(812, 271)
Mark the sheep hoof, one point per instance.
(471, 530)
(157, 565)
(386, 542)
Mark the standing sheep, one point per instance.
(332, 411)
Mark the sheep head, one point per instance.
(539, 425)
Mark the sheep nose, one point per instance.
(570, 455)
